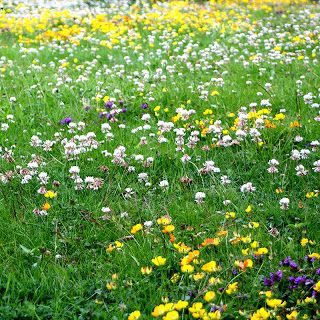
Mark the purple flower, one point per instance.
(293, 265)
(144, 106)
(124, 110)
(309, 282)
(274, 277)
(278, 275)
(289, 263)
(66, 120)
(268, 282)
(108, 105)
(121, 102)
(318, 272)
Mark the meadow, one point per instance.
(160, 160)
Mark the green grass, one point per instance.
(57, 266)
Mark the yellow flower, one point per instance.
(156, 109)
(314, 255)
(158, 310)
(304, 242)
(230, 215)
(214, 93)
(293, 315)
(175, 278)
(214, 315)
(310, 300)
(211, 241)
(317, 287)
(198, 276)
(209, 296)
(210, 267)
(243, 265)
(261, 251)
(248, 209)
(261, 314)
(188, 268)
(279, 116)
(253, 225)
(171, 315)
(232, 288)
(181, 305)
(254, 244)
(146, 270)
(111, 285)
(164, 220)
(245, 252)
(159, 261)
(46, 206)
(136, 228)
(106, 98)
(196, 307)
(135, 315)
(169, 228)
(50, 194)
(275, 303)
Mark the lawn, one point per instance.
(160, 160)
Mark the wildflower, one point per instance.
(199, 197)
(181, 304)
(159, 261)
(245, 264)
(135, 315)
(232, 288)
(210, 267)
(284, 203)
(146, 270)
(50, 194)
(171, 315)
(304, 242)
(164, 184)
(111, 285)
(275, 303)
(215, 315)
(187, 268)
(247, 187)
(210, 241)
(46, 206)
(279, 116)
(293, 315)
(209, 296)
(66, 120)
(261, 314)
(261, 251)
(136, 228)
(168, 228)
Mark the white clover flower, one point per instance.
(247, 187)
(199, 197)
(74, 170)
(284, 203)
(164, 184)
